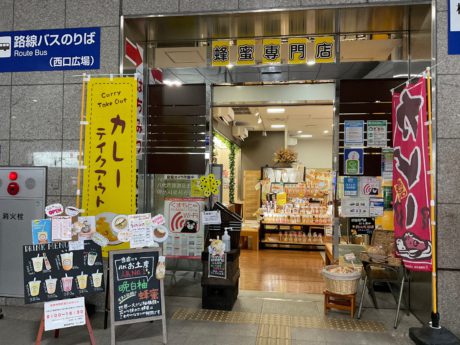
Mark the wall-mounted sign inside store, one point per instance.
(50, 50)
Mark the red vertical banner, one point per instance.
(411, 180)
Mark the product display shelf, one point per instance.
(270, 230)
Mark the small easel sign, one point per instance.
(64, 314)
(136, 295)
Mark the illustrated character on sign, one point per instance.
(190, 227)
(412, 247)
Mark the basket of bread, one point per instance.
(342, 280)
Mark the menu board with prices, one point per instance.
(136, 295)
(53, 272)
(217, 266)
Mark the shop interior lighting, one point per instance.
(172, 82)
(325, 131)
(259, 120)
(311, 62)
(264, 133)
(256, 114)
(278, 126)
(229, 66)
(306, 136)
(275, 110)
(298, 132)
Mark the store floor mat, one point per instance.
(266, 321)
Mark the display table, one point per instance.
(251, 229)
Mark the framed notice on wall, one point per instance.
(136, 295)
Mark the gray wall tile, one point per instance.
(330, 2)
(448, 64)
(72, 108)
(5, 78)
(81, 13)
(132, 7)
(53, 199)
(27, 78)
(448, 106)
(441, 5)
(69, 168)
(39, 14)
(4, 152)
(448, 172)
(109, 56)
(256, 4)
(204, 6)
(449, 295)
(5, 93)
(36, 112)
(40, 153)
(6, 15)
(448, 236)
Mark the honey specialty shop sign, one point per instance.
(109, 186)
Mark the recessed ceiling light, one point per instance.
(277, 126)
(311, 62)
(298, 132)
(325, 131)
(259, 120)
(275, 110)
(305, 135)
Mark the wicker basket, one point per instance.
(341, 284)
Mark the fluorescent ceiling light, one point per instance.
(311, 62)
(277, 126)
(305, 135)
(275, 110)
(172, 82)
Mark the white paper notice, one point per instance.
(140, 226)
(355, 207)
(211, 217)
(61, 228)
(376, 207)
(64, 313)
(76, 245)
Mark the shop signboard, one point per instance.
(64, 313)
(271, 51)
(246, 52)
(136, 295)
(411, 182)
(354, 133)
(53, 272)
(297, 50)
(362, 225)
(109, 185)
(50, 50)
(453, 36)
(325, 49)
(183, 218)
(350, 186)
(220, 53)
(353, 161)
(377, 133)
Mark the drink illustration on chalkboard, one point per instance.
(91, 258)
(67, 261)
(34, 287)
(50, 285)
(82, 281)
(67, 283)
(97, 279)
(38, 263)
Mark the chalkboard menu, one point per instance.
(217, 266)
(53, 272)
(135, 291)
(362, 226)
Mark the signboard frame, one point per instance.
(114, 323)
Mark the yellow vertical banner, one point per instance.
(271, 51)
(325, 49)
(109, 186)
(220, 53)
(297, 50)
(246, 52)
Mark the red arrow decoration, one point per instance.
(132, 53)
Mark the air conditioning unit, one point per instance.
(240, 132)
(224, 114)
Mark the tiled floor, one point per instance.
(257, 318)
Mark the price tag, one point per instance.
(350, 257)
(211, 217)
